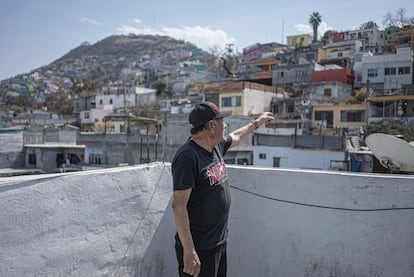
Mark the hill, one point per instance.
(137, 59)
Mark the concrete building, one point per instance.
(387, 74)
(372, 39)
(287, 75)
(139, 97)
(332, 72)
(242, 98)
(283, 222)
(342, 49)
(53, 149)
(295, 41)
(93, 120)
(11, 147)
(402, 36)
(338, 117)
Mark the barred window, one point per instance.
(404, 70)
(372, 72)
(390, 71)
(353, 116)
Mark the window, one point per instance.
(262, 156)
(327, 92)
(291, 108)
(324, 115)
(122, 128)
(390, 71)
(87, 115)
(100, 102)
(372, 72)
(32, 159)
(353, 116)
(404, 70)
(301, 73)
(340, 54)
(110, 101)
(276, 162)
(95, 159)
(233, 101)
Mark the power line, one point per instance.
(320, 206)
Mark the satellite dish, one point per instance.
(392, 152)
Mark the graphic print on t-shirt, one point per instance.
(216, 173)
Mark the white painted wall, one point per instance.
(269, 237)
(112, 222)
(256, 101)
(296, 158)
(118, 222)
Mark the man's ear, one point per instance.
(211, 124)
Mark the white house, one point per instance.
(388, 73)
(140, 97)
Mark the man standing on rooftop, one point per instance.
(201, 199)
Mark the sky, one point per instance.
(35, 33)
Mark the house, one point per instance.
(332, 72)
(53, 148)
(296, 41)
(402, 36)
(342, 49)
(93, 120)
(139, 97)
(333, 119)
(387, 74)
(372, 39)
(259, 51)
(242, 98)
(289, 74)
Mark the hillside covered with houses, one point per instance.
(136, 91)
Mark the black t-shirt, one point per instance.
(193, 167)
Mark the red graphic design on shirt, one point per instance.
(216, 173)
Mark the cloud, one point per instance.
(88, 20)
(136, 21)
(203, 37)
(307, 29)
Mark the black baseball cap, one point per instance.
(204, 112)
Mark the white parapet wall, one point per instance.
(320, 223)
(112, 222)
(118, 222)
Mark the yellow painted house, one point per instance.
(299, 40)
(338, 116)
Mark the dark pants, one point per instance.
(213, 261)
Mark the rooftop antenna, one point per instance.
(283, 30)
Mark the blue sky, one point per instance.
(37, 32)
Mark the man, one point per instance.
(201, 199)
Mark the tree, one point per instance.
(315, 19)
(25, 102)
(398, 19)
(359, 96)
(59, 102)
(327, 35)
(369, 25)
(85, 87)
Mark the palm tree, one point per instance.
(315, 19)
